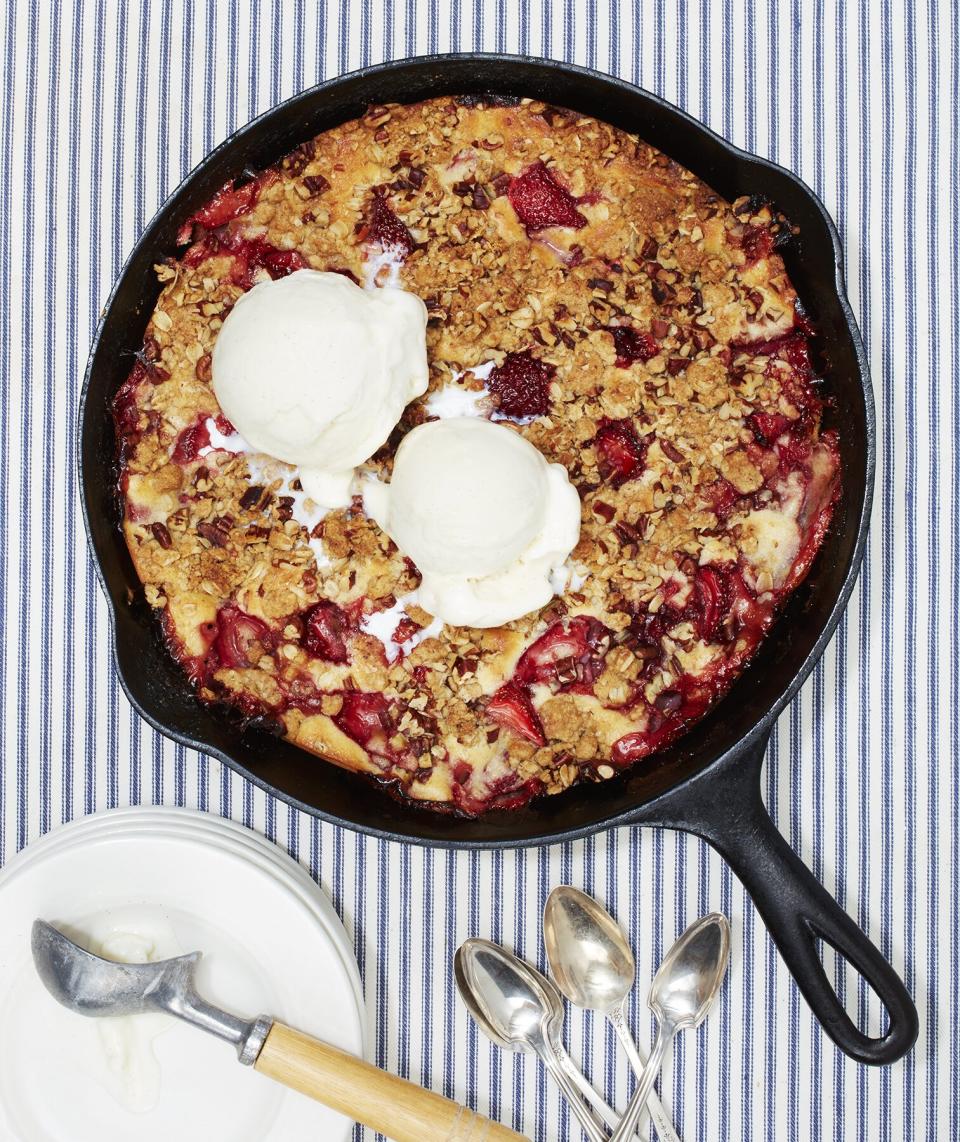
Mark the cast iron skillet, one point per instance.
(709, 782)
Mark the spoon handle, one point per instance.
(628, 1123)
(665, 1130)
(551, 1060)
(589, 1092)
(583, 1084)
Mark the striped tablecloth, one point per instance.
(106, 106)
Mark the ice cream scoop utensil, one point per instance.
(90, 985)
(683, 991)
(593, 965)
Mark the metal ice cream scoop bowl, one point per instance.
(90, 985)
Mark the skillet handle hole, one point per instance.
(861, 1003)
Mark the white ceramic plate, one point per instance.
(181, 881)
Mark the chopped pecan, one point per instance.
(251, 497)
(216, 531)
(316, 184)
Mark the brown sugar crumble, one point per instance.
(635, 327)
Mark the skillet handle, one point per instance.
(725, 807)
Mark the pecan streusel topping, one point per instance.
(594, 296)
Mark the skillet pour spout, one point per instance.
(707, 782)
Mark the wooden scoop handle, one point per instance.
(400, 1109)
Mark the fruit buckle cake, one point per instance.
(474, 447)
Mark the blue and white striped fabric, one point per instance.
(107, 105)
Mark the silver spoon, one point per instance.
(683, 991)
(479, 1006)
(521, 1010)
(594, 967)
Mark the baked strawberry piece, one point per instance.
(632, 345)
(521, 385)
(620, 452)
(540, 200)
(384, 229)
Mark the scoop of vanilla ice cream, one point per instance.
(482, 514)
(315, 371)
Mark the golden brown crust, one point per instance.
(660, 254)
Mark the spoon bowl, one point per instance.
(589, 955)
(691, 974)
(512, 1002)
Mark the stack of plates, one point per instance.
(168, 881)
